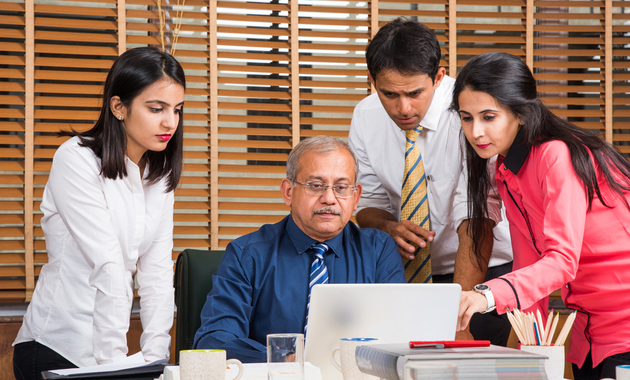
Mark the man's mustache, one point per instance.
(327, 210)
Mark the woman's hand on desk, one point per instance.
(470, 303)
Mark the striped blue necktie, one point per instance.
(319, 273)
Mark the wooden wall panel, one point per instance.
(9, 328)
(12, 150)
(618, 87)
(438, 15)
(490, 26)
(254, 113)
(332, 65)
(569, 59)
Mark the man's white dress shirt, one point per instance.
(99, 233)
(380, 148)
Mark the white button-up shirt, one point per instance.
(380, 148)
(99, 233)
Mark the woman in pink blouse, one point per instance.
(566, 193)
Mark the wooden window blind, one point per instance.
(263, 74)
(13, 228)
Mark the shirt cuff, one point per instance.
(504, 297)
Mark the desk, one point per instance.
(253, 371)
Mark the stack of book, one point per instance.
(387, 361)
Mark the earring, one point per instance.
(120, 117)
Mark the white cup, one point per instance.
(348, 366)
(554, 366)
(422, 370)
(206, 365)
(623, 372)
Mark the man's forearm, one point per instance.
(372, 217)
(244, 349)
(468, 270)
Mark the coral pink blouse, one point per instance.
(559, 243)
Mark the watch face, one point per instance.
(482, 287)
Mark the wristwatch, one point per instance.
(485, 290)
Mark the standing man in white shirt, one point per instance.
(414, 92)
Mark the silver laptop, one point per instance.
(393, 313)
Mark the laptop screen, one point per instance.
(393, 313)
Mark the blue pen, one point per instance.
(537, 333)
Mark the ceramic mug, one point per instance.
(348, 366)
(206, 365)
(623, 372)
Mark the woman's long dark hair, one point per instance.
(132, 72)
(510, 82)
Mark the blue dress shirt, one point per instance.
(261, 286)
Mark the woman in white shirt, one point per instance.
(108, 214)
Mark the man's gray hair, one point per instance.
(320, 145)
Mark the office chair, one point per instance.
(193, 282)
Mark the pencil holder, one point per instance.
(554, 364)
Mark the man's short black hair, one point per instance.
(406, 46)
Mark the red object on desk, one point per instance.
(449, 343)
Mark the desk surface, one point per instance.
(253, 371)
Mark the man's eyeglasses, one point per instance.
(319, 188)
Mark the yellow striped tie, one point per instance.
(415, 207)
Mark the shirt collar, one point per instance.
(133, 169)
(302, 241)
(432, 117)
(517, 154)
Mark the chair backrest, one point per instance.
(193, 282)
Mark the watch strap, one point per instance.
(491, 303)
(487, 292)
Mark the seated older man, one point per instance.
(262, 285)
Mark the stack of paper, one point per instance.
(479, 363)
(133, 366)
